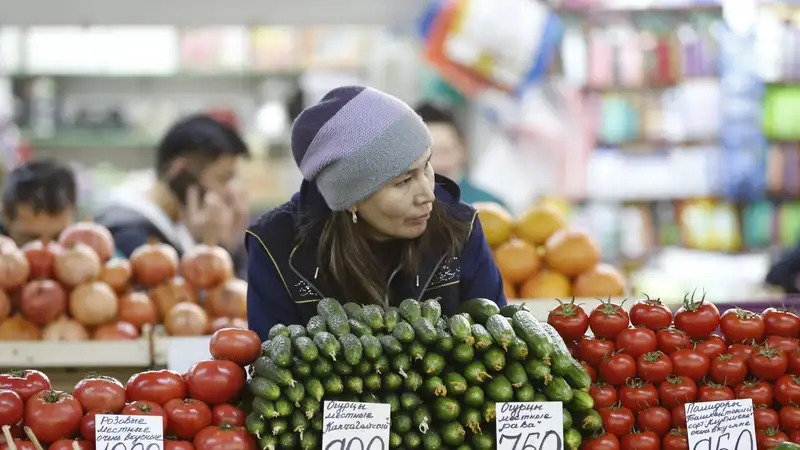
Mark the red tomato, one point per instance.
(690, 363)
(593, 350)
(229, 414)
(650, 313)
(679, 417)
(70, 444)
(177, 445)
(646, 440)
(89, 424)
(739, 325)
(24, 382)
(11, 407)
(671, 339)
(215, 382)
(53, 415)
(768, 363)
(608, 320)
(237, 345)
(743, 350)
(713, 392)
(794, 436)
(569, 319)
(603, 395)
(787, 390)
(656, 419)
(20, 444)
(711, 347)
(794, 361)
(770, 438)
(637, 395)
(790, 418)
(604, 441)
(654, 367)
(758, 390)
(145, 408)
(675, 440)
(636, 341)
(698, 319)
(617, 368)
(573, 348)
(590, 370)
(157, 386)
(766, 417)
(788, 345)
(617, 420)
(781, 322)
(676, 391)
(104, 393)
(728, 369)
(187, 417)
(227, 437)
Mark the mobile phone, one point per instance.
(181, 183)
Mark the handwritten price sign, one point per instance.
(356, 426)
(530, 426)
(129, 432)
(726, 425)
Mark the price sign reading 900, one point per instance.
(725, 425)
(356, 426)
(530, 426)
(129, 432)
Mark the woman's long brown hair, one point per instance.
(359, 275)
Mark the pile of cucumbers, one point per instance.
(442, 376)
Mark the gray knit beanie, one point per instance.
(354, 141)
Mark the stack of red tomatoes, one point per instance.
(647, 363)
(198, 407)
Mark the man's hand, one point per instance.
(209, 218)
(236, 198)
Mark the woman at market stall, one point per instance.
(371, 222)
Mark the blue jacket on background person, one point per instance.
(371, 223)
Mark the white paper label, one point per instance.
(129, 432)
(354, 425)
(529, 425)
(184, 352)
(716, 425)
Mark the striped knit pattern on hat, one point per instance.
(354, 141)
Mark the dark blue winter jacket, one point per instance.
(284, 273)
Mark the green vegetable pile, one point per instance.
(441, 376)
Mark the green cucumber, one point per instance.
(581, 401)
(309, 440)
(381, 365)
(483, 339)
(455, 383)
(352, 350)
(322, 367)
(413, 381)
(409, 401)
(562, 362)
(392, 381)
(295, 394)
(404, 332)
(306, 349)
(278, 329)
(266, 348)
(372, 347)
(401, 363)
(266, 367)
(264, 407)
(315, 389)
(489, 411)
(255, 424)
(316, 325)
(588, 421)
(480, 309)
(335, 316)
(333, 384)
(499, 389)
(475, 373)
(301, 368)
(395, 441)
(526, 393)
(558, 390)
(267, 442)
(434, 387)
(282, 350)
(391, 346)
(354, 384)
(391, 318)
(433, 364)
(474, 396)
(445, 342)
(446, 409)
(372, 382)
(264, 388)
(284, 407)
(288, 440)
(567, 419)
(787, 446)
(501, 331)
(518, 350)
(372, 316)
(573, 440)
(482, 442)
(511, 309)
(424, 331)
(530, 330)
(328, 344)
(494, 358)
(353, 310)
(453, 434)
(432, 310)
(295, 331)
(431, 441)
(401, 423)
(342, 368)
(461, 329)
(410, 309)
(359, 328)
(538, 371)
(416, 350)
(515, 372)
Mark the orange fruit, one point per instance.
(539, 223)
(517, 260)
(496, 221)
(571, 252)
(546, 284)
(509, 290)
(600, 281)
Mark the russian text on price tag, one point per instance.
(530, 426)
(353, 425)
(129, 432)
(726, 425)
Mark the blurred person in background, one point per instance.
(194, 196)
(785, 272)
(39, 201)
(450, 152)
(371, 224)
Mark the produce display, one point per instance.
(441, 376)
(647, 363)
(540, 256)
(199, 408)
(74, 289)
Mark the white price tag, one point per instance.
(129, 432)
(351, 425)
(530, 426)
(716, 425)
(184, 352)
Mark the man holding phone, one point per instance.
(194, 196)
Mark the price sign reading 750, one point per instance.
(530, 426)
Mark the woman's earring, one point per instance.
(355, 217)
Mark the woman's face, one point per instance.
(402, 207)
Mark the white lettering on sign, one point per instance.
(356, 426)
(129, 432)
(725, 425)
(530, 426)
